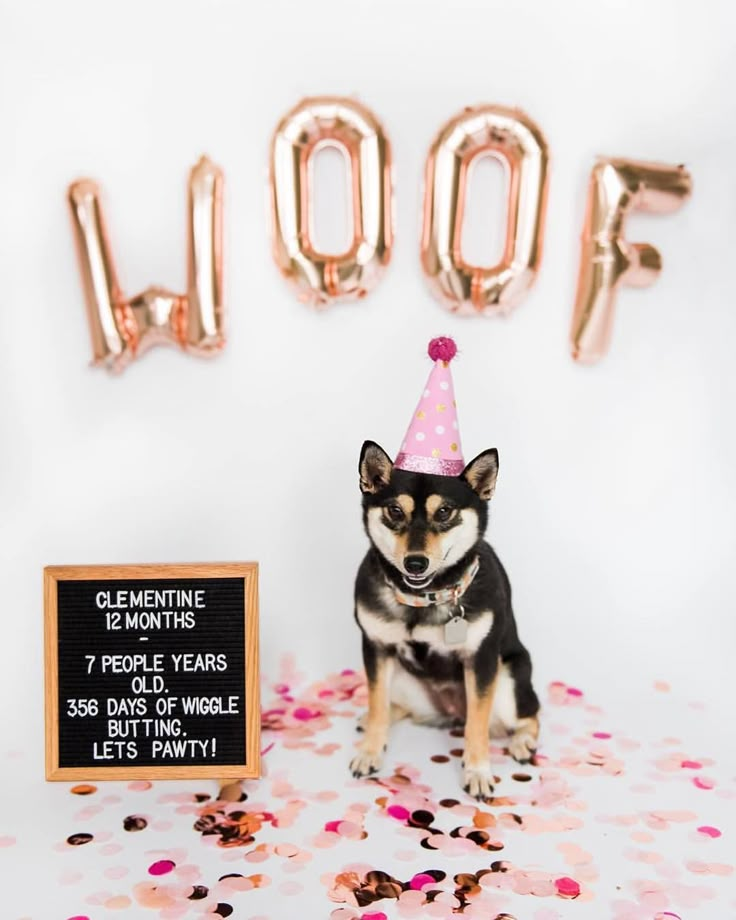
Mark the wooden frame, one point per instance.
(249, 572)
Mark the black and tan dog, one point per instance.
(434, 605)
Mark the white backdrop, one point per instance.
(615, 506)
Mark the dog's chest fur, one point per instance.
(418, 633)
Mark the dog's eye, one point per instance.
(443, 513)
(395, 512)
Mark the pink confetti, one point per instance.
(567, 887)
(691, 765)
(573, 691)
(601, 734)
(420, 880)
(704, 782)
(709, 831)
(304, 714)
(162, 867)
(398, 812)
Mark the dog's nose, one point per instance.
(416, 565)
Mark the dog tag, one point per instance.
(456, 631)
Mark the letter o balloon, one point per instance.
(321, 278)
(514, 139)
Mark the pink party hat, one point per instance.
(432, 443)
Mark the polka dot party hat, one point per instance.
(432, 443)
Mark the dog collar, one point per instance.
(449, 595)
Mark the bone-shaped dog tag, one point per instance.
(456, 631)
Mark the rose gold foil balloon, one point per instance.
(607, 260)
(512, 137)
(321, 278)
(123, 328)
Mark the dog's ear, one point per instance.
(375, 467)
(480, 474)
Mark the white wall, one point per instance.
(615, 507)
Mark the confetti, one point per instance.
(407, 842)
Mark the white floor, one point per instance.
(641, 823)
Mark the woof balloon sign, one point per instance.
(152, 671)
(123, 327)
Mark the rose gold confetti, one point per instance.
(662, 685)
(140, 785)
(83, 789)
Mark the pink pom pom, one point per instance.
(442, 349)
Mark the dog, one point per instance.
(433, 603)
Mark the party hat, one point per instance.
(432, 443)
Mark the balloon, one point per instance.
(607, 260)
(511, 136)
(321, 278)
(124, 328)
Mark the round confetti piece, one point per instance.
(437, 758)
(422, 817)
(140, 785)
(457, 752)
(691, 765)
(573, 691)
(398, 812)
(83, 789)
(420, 880)
(78, 840)
(79, 917)
(303, 714)
(198, 892)
(118, 902)
(223, 910)
(375, 915)
(521, 777)
(567, 887)
(603, 735)
(134, 823)
(449, 803)
(161, 867)
(287, 849)
(708, 831)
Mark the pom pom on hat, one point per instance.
(442, 349)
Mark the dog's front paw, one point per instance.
(522, 747)
(477, 781)
(366, 762)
